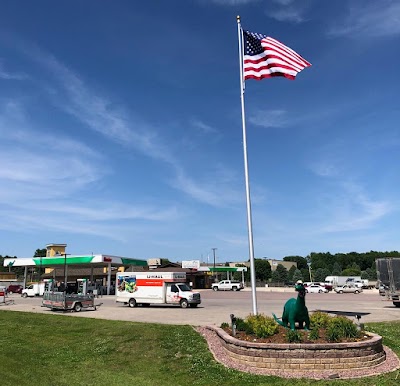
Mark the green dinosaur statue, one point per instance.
(295, 310)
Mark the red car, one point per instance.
(14, 289)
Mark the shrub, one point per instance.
(261, 326)
(224, 325)
(319, 319)
(294, 336)
(341, 327)
(314, 334)
(241, 325)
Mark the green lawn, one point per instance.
(37, 349)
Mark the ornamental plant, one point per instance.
(261, 326)
(340, 327)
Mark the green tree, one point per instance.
(291, 272)
(337, 269)
(263, 269)
(369, 273)
(301, 261)
(306, 274)
(297, 275)
(320, 274)
(280, 275)
(40, 252)
(320, 260)
(353, 270)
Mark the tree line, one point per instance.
(318, 265)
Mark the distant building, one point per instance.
(55, 249)
(287, 264)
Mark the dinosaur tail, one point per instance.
(277, 320)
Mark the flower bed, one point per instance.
(310, 357)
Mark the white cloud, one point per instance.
(373, 19)
(203, 127)
(269, 118)
(287, 14)
(356, 212)
(10, 75)
(216, 189)
(100, 115)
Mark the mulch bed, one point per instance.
(281, 337)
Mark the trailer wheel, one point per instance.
(184, 303)
(132, 303)
(215, 288)
(78, 307)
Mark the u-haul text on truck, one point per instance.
(147, 288)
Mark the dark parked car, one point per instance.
(14, 289)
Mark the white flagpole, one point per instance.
(246, 172)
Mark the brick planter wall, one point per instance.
(304, 357)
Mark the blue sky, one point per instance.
(120, 129)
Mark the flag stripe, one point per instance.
(266, 57)
(272, 59)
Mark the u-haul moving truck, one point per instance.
(147, 288)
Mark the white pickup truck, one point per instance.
(227, 285)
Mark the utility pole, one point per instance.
(214, 249)
(65, 270)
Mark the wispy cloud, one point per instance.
(269, 118)
(27, 165)
(355, 211)
(290, 14)
(11, 75)
(39, 175)
(101, 115)
(39, 181)
(216, 190)
(203, 127)
(370, 19)
(287, 10)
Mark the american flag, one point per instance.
(265, 57)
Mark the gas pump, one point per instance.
(48, 284)
(82, 286)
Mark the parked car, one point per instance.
(347, 289)
(383, 289)
(14, 289)
(316, 288)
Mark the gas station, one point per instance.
(57, 261)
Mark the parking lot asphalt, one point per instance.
(216, 307)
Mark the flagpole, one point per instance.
(246, 172)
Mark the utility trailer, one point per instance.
(388, 270)
(56, 300)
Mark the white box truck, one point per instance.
(145, 288)
(35, 289)
(334, 281)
